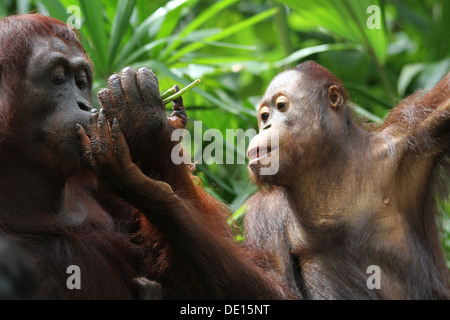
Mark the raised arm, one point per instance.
(424, 119)
(436, 126)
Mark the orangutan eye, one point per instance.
(81, 80)
(282, 103)
(58, 75)
(264, 113)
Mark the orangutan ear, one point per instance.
(336, 97)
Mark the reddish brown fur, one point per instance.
(113, 233)
(423, 104)
(322, 78)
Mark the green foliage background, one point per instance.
(237, 47)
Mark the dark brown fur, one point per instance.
(369, 198)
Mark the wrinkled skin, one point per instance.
(133, 98)
(59, 89)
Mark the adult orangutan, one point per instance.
(346, 202)
(71, 201)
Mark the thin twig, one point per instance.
(181, 92)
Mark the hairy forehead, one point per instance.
(42, 46)
(285, 81)
(48, 51)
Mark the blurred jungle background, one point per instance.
(381, 50)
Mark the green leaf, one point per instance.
(238, 27)
(23, 6)
(192, 37)
(365, 113)
(215, 178)
(142, 30)
(240, 213)
(201, 19)
(119, 26)
(368, 93)
(4, 8)
(97, 30)
(408, 73)
(170, 22)
(303, 53)
(243, 192)
(346, 19)
(54, 8)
